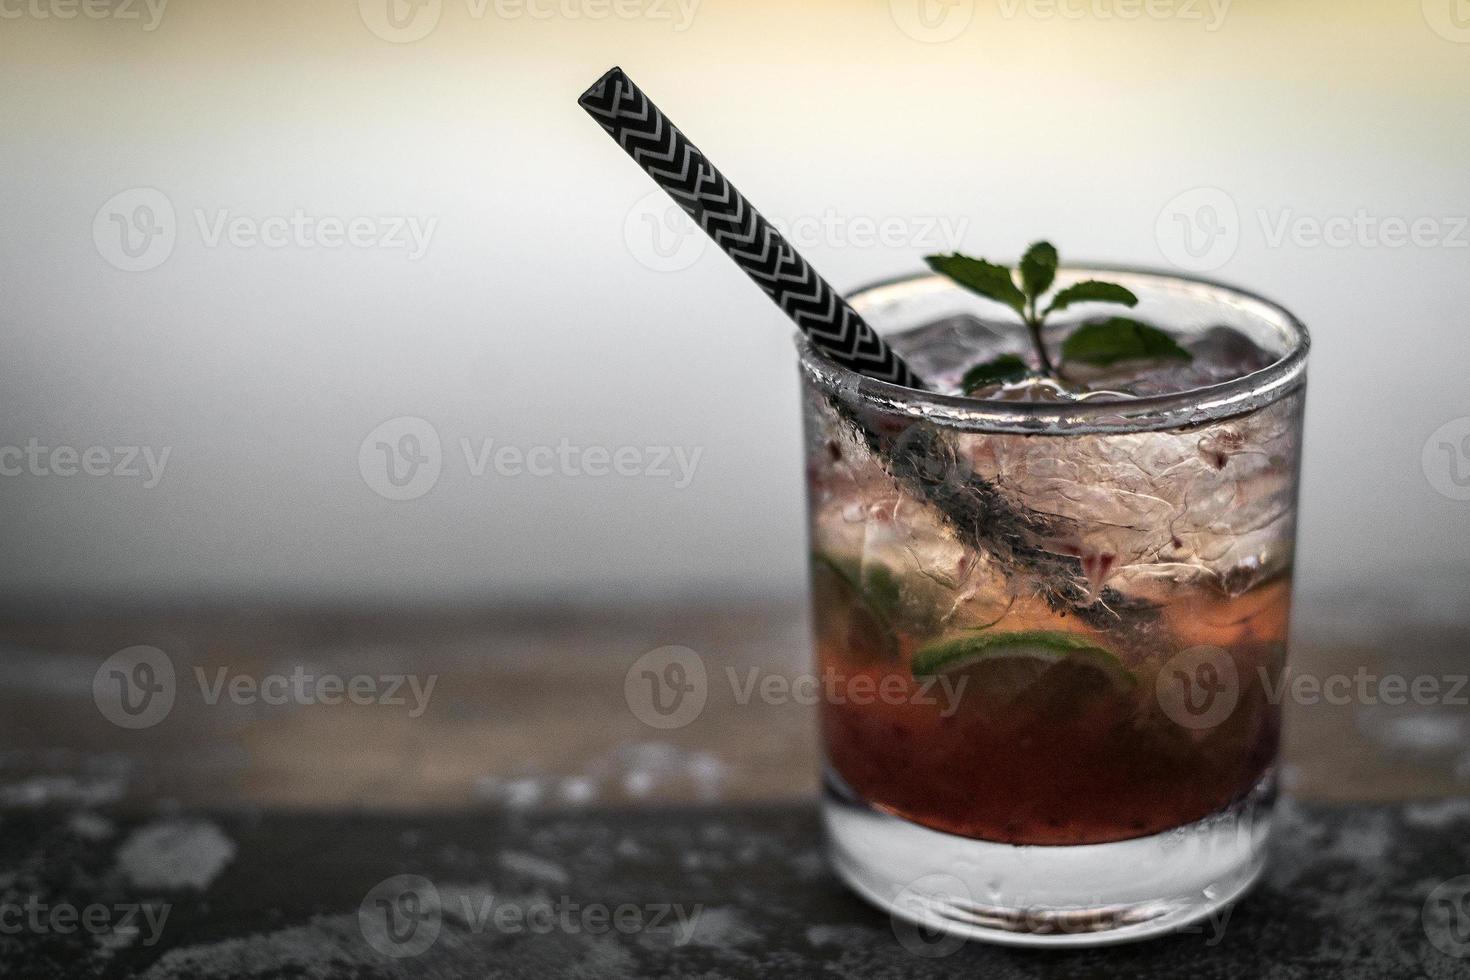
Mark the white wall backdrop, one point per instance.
(328, 229)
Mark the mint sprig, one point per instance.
(1113, 340)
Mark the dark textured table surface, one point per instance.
(545, 831)
(682, 892)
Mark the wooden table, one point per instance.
(526, 774)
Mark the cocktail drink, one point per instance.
(1054, 613)
(1051, 571)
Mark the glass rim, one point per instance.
(1174, 410)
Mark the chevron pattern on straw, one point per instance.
(667, 156)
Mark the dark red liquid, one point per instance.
(1070, 761)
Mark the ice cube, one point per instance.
(1223, 354)
(941, 352)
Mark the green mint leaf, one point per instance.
(1038, 269)
(1121, 339)
(989, 280)
(1091, 291)
(1006, 367)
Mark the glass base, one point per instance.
(1083, 895)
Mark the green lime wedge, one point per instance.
(846, 616)
(877, 589)
(1027, 653)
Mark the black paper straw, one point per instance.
(666, 155)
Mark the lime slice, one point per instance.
(1020, 656)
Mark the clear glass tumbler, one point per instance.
(1050, 633)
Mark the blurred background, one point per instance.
(341, 345)
(247, 246)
